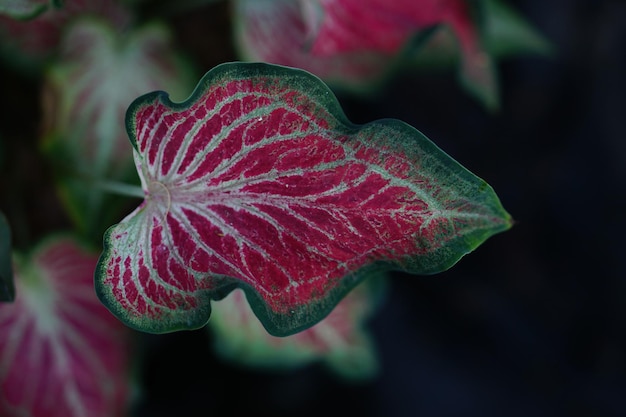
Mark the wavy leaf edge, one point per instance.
(307, 314)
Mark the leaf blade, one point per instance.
(260, 29)
(57, 330)
(272, 189)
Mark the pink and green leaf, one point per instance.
(7, 287)
(373, 25)
(281, 32)
(259, 181)
(62, 354)
(340, 340)
(388, 26)
(356, 44)
(88, 89)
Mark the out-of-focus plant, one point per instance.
(256, 195)
(340, 340)
(32, 31)
(96, 74)
(357, 45)
(61, 352)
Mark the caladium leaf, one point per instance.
(88, 89)
(340, 340)
(377, 25)
(26, 9)
(62, 354)
(259, 181)
(355, 43)
(32, 42)
(7, 288)
(281, 31)
(387, 26)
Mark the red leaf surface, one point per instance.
(386, 26)
(259, 181)
(62, 354)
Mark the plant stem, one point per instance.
(120, 188)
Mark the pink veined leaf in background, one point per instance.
(88, 88)
(357, 43)
(340, 341)
(374, 25)
(33, 41)
(62, 354)
(97, 75)
(259, 181)
(387, 26)
(279, 32)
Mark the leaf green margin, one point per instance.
(406, 139)
(7, 287)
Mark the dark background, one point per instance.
(533, 322)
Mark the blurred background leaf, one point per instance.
(26, 9)
(87, 91)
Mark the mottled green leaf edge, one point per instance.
(7, 287)
(377, 289)
(410, 141)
